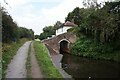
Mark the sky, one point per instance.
(37, 14)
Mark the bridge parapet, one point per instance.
(54, 42)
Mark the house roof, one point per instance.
(68, 23)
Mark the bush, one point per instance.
(87, 48)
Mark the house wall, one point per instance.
(62, 30)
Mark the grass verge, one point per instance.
(28, 63)
(44, 61)
(8, 51)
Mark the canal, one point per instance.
(79, 67)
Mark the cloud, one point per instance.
(60, 12)
(30, 13)
(16, 3)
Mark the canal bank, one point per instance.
(56, 59)
(71, 66)
(86, 47)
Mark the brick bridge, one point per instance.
(61, 43)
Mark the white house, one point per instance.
(63, 28)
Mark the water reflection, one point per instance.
(79, 67)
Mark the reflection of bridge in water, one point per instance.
(61, 43)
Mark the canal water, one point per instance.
(79, 67)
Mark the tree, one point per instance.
(37, 36)
(25, 33)
(99, 23)
(57, 25)
(74, 16)
(92, 4)
(11, 31)
(48, 31)
(9, 28)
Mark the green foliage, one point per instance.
(37, 36)
(74, 16)
(98, 32)
(43, 36)
(47, 32)
(25, 33)
(91, 4)
(88, 48)
(88, 45)
(10, 30)
(71, 30)
(57, 25)
(45, 62)
(100, 23)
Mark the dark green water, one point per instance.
(79, 67)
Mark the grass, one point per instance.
(44, 61)
(28, 63)
(87, 48)
(8, 52)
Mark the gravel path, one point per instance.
(17, 67)
(35, 69)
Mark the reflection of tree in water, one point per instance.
(65, 61)
(79, 67)
(69, 65)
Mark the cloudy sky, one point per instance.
(36, 14)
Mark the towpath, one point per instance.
(17, 66)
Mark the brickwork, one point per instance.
(54, 42)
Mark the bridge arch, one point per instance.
(64, 40)
(64, 46)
